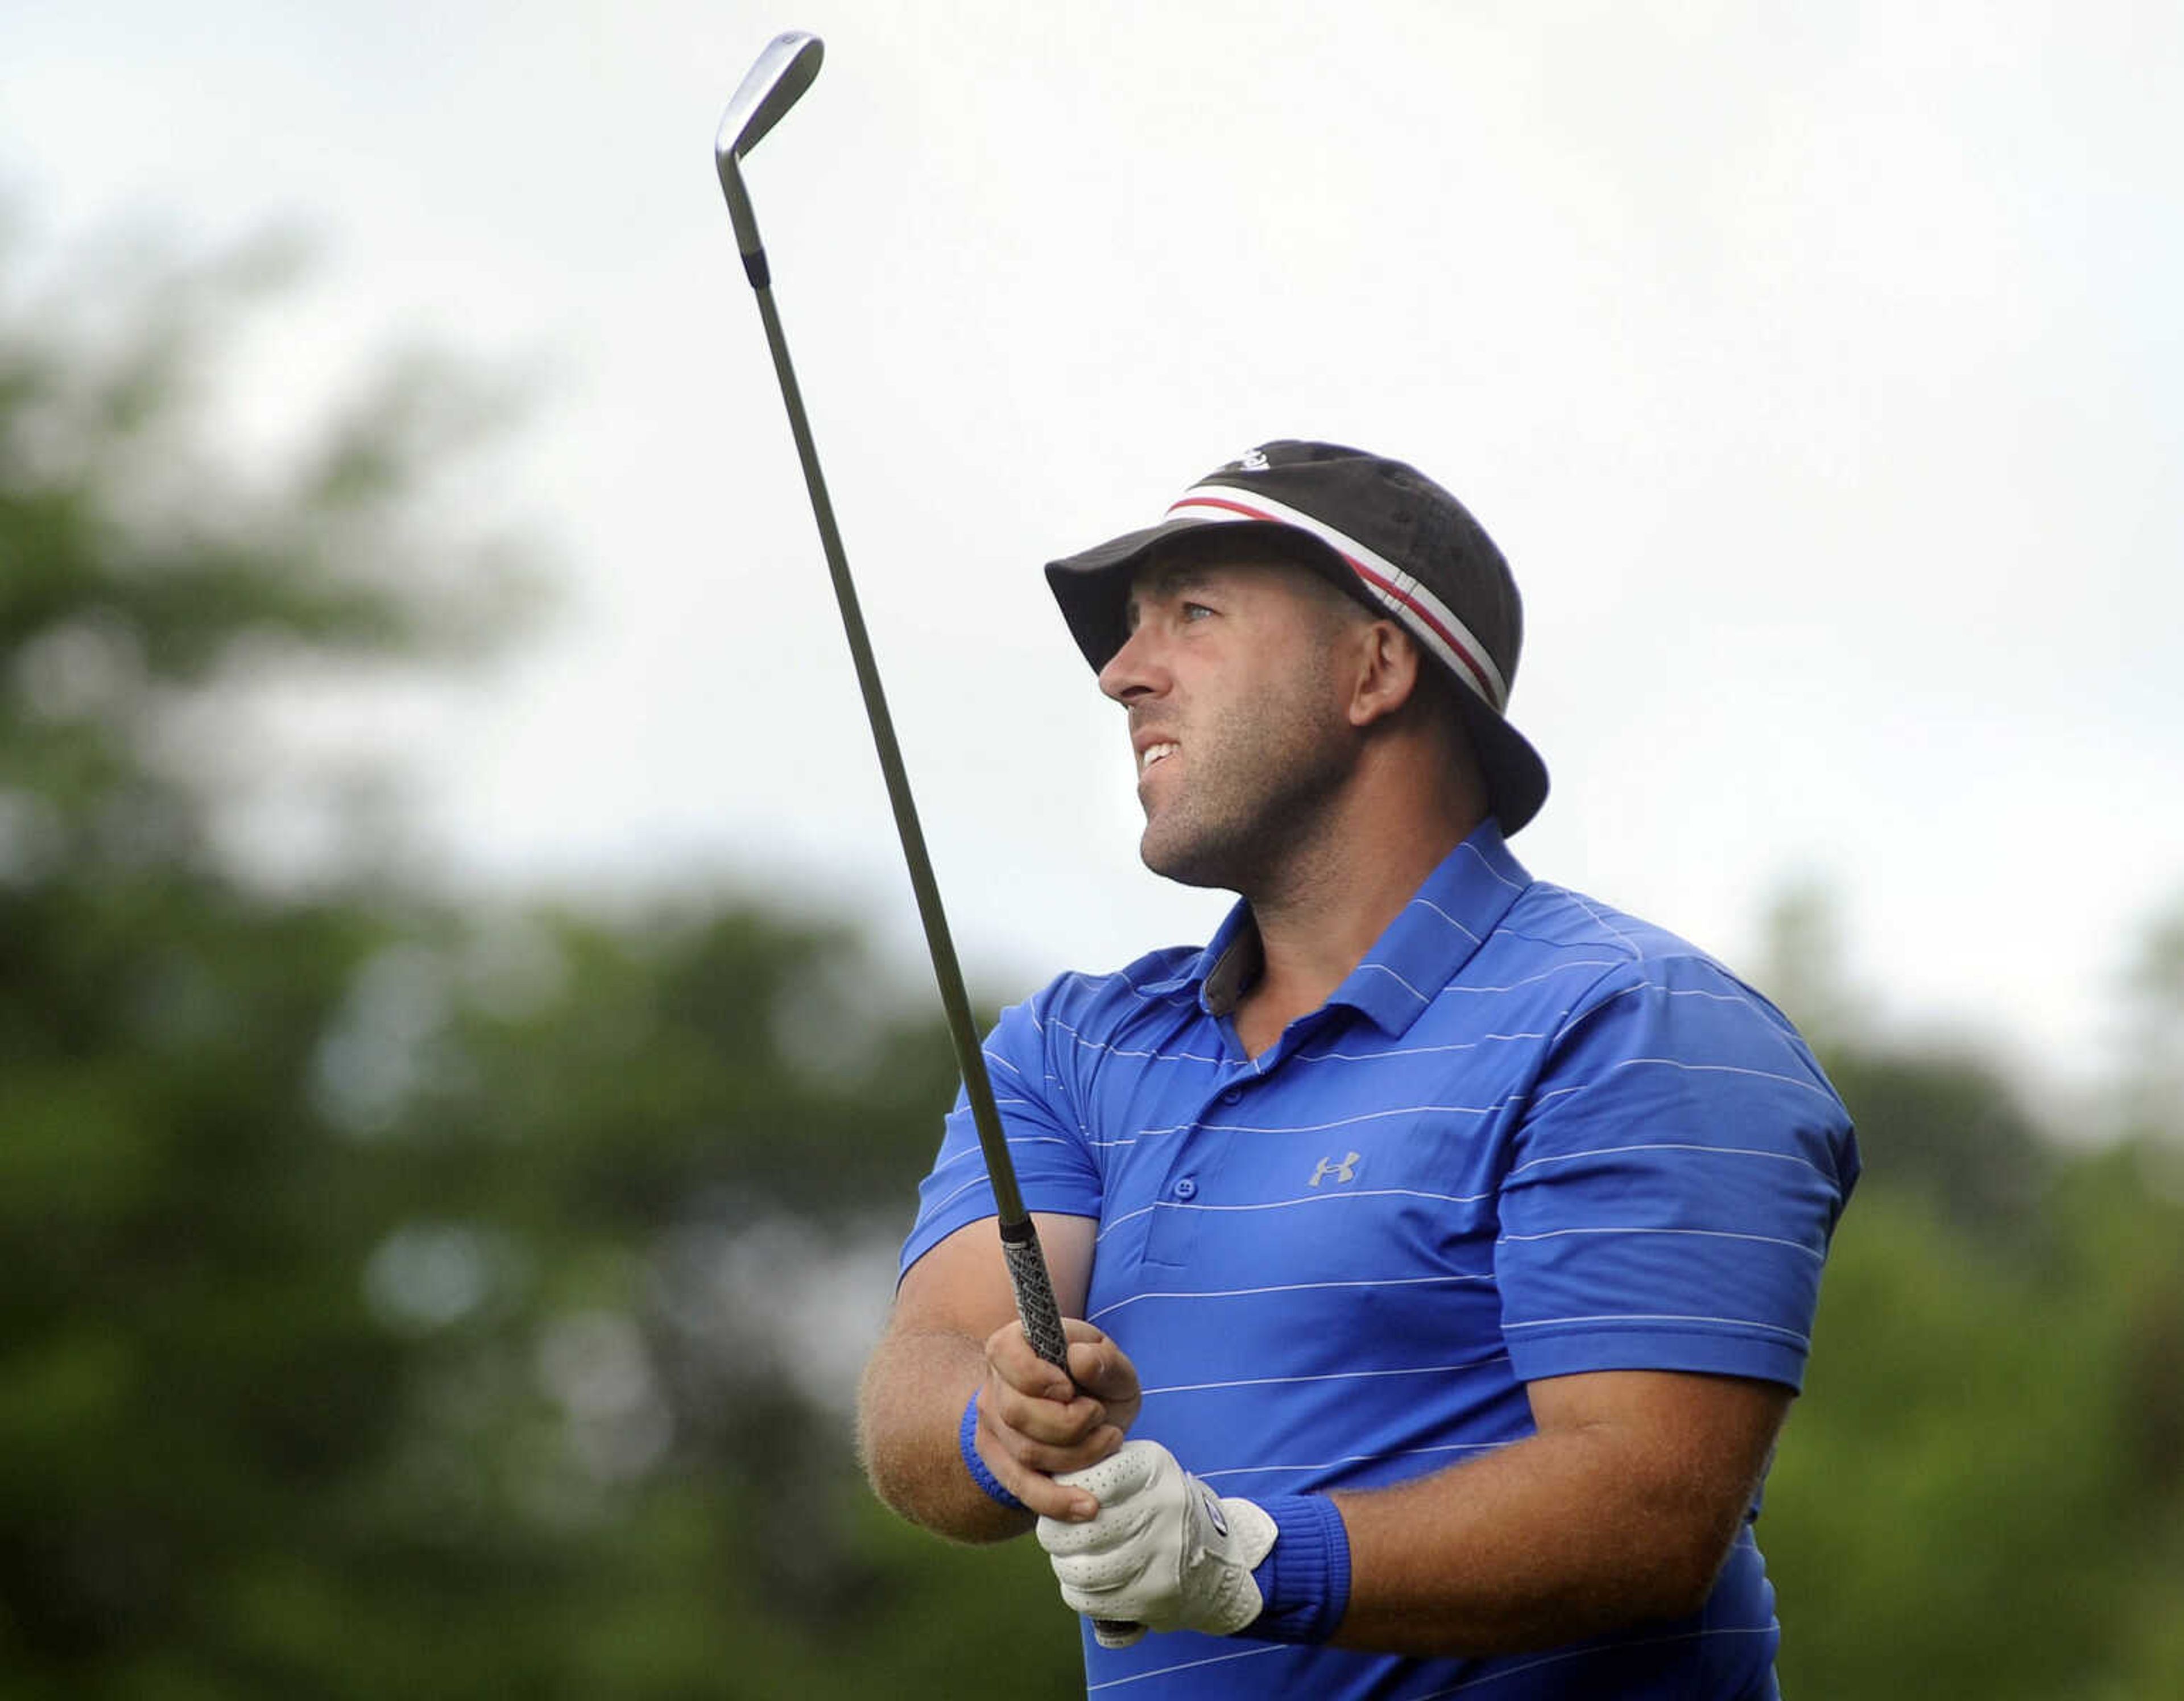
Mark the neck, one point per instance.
(1333, 898)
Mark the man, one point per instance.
(1445, 1243)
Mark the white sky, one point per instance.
(1816, 367)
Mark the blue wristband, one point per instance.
(1305, 1578)
(968, 1447)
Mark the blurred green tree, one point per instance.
(1938, 1119)
(2152, 1099)
(1978, 1493)
(401, 1298)
(188, 1352)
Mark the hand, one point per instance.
(1164, 1551)
(1033, 1421)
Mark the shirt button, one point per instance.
(1233, 1095)
(1185, 1188)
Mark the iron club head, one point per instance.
(774, 83)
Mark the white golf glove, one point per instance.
(1165, 1551)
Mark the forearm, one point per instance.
(909, 1406)
(1621, 1508)
(1548, 1541)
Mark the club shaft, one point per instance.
(1028, 1275)
(1027, 1271)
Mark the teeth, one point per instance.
(1153, 753)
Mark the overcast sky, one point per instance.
(1816, 367)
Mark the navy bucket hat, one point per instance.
(1387, 536)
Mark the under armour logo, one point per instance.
(1252, 460)
(1345, 1170)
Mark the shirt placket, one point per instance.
(1191, 1191)
(1192, 1182)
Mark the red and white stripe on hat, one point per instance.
(1424, 615)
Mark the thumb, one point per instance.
(1089, 1345)
(1099, 1368)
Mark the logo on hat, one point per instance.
(1252, 460)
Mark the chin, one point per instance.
(1200, 860)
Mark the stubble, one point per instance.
(1258, 777)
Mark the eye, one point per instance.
(1196, 611)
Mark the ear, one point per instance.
(1386, 674)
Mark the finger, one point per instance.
(1103, 1443)
(1128, 1604)
(1092, 1581)
(1128, 1471)
(1017, 1464)
(1024, 1394)
(1116, 1527)
(1056, 1503)
(1047, 1423)
(1100, 1366)
(1010, 1356)
(1064, 1461)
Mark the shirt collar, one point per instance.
(1433, 935)
(1431, 938)
(1218, 974)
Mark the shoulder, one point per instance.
(1559, 925)
(1660, 1017)
(1635, 975)
(1099, 1004)
(1556, 919)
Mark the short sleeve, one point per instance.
(1054, 1164)
(1673, 1185)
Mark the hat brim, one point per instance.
(1093, 588)
(1515, 775)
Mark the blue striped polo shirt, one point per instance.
(1528, 1136)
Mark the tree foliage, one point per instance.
(402, 1296)
(1982, 1490)
(412, 1296)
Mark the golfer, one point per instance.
(1439, 1246)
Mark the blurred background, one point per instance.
(465, 1053)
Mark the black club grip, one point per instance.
(1034, 1291)
(1042, 1323)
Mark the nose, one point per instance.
(1135, 670)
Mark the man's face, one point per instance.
(1237, 717)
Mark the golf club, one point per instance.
(783, 72)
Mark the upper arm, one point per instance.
(962, 1284)
(1673, 1186)
(1055, 1169)
(1696, 1446)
